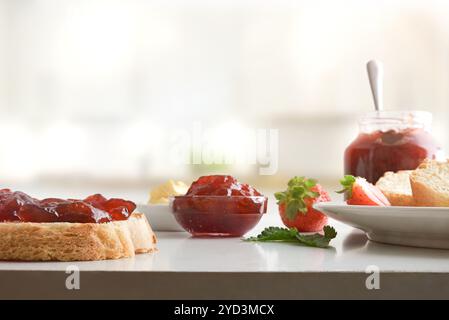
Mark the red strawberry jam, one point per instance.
(20, 207)
(373, 154)
(220, 186)
(219, 206)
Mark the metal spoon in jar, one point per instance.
(376, 74)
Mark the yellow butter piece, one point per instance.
(161, 194)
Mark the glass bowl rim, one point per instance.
(217, 197)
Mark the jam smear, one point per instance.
(20, 207)
(370, 155)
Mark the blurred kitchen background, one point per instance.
(91, 91)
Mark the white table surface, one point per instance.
(229, 268)
(178, 252)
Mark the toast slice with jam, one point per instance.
(67, 241)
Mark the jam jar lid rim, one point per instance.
(418, 116)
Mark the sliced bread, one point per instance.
(430, 184)
(396, 187)
(63, 241)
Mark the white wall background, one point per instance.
(91, 89)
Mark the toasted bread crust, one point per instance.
(396, 187)
(397, 199)
(62, 241)
(426, 197)
(430, 184)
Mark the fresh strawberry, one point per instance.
(358, 191)
(296, 205)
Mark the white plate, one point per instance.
(409, 226)
(160, 217)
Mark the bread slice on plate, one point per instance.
(430, 184)
(396, 187)
(64, 241)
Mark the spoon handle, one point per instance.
(376, 74)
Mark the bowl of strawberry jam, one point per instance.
(390, 141)
(219, 206)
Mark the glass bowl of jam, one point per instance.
(219, 206)
(390, 141)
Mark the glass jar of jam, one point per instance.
(390, 141)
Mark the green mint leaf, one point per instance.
(313, 240)
(318, 240)
(329, 232)
(278, 234)
(275, 234)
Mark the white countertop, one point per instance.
(195, 268)
(229, 268)
(178, 252)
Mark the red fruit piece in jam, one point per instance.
(79, 211)
(97, 200)
(10, 204)
(119, 209)
(18, 206)
(31, 212)
(219, 185)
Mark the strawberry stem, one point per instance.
(299, 189)
(347, 182)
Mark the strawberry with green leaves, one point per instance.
(296, 205)
(358, 191)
